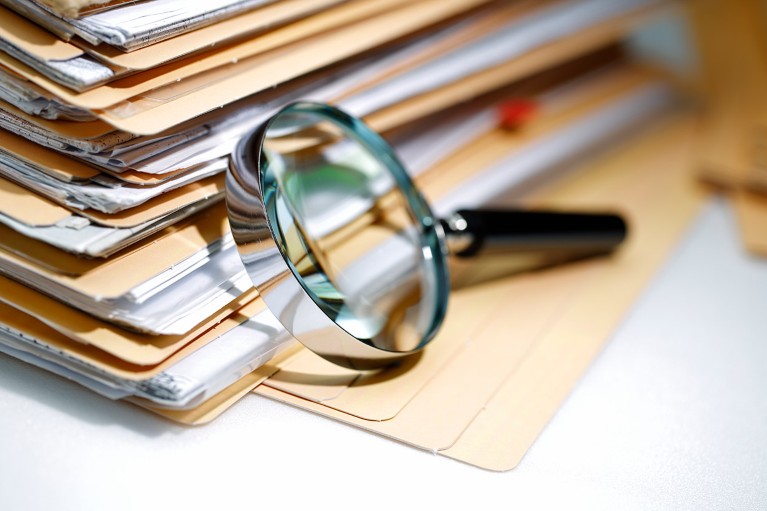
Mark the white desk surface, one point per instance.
(672, 415)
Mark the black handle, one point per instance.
(560, 235)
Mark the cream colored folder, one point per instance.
(134, 348)
(150, 257)
(159, 107)
(153, 209)
(262, 19)
(328, 47)
(118, 274)
(547, 56)
(219, 403)
(27, 207)
(733, 134)
(512, 350)
(121, 359)
(44, 47)
(43, 219)
(100, 360)
(72, 170)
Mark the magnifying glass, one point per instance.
(346, 252)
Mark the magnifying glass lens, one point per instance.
(346, 252)
(352, 228)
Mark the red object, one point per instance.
(516, 112)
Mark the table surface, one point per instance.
(671, 415)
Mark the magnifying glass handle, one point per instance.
(557, 235)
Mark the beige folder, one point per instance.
(69, 169)
(100, 343)
(530, 303)
(119, 360)
(98, 359)
(512, 350)
(115, 276)
(132, 347)
(558, 53)
(733, 134)
(210, 188)
(329, 43)
(19, 206)
(53, 163)
(45, 47)
(264, 19)
(28, 208)
(218, 404)
(72, 170)
(571, 50)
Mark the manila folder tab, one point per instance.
(115, 276)
(268, 17)
(162, 205)
(132, 347)
(28, 208)
(285, 64)
(490, 399)
(33, 40)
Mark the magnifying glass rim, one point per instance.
(316, 328)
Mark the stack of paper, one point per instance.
(117, 269)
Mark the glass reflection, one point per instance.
(348, 232)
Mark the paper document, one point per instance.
(118, 269)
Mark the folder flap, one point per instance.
(49, 337)
(42, 255)
(513, 314)
(109, 363)
(213, 407)
(51, 162)
(535, 61)
(227, 58)
(154, 109)
(207, 189)
(219, 403)
(532, 394)
(158, 207)
(134, 348)
(536, 347)
(187, 43)
(34, 40)
(380, 396)
(75, 130)
(144, 179)
(113, 277)
(28, 208)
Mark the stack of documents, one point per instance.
(117, 268)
